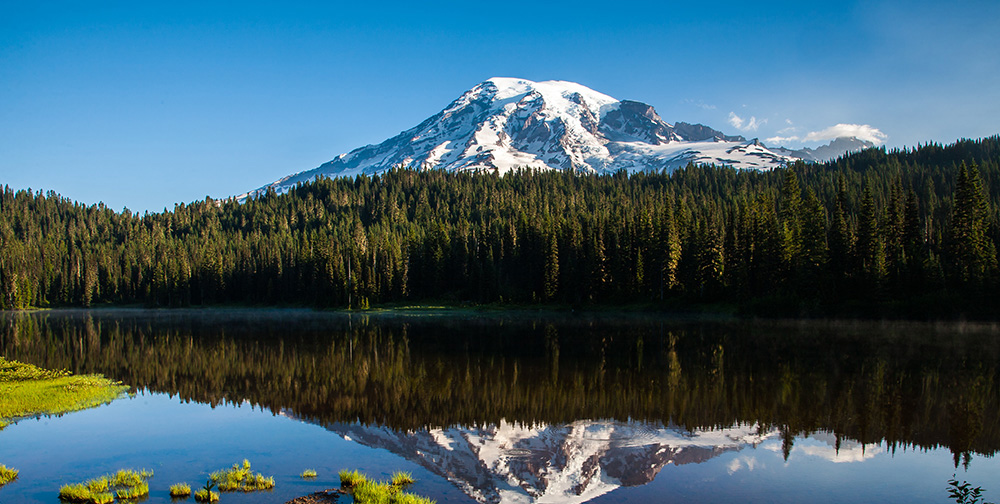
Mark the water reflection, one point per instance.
(568, 463)
(910, 385)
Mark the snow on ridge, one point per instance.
(506, 123)
(566, 463)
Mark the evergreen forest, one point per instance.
(909, 233)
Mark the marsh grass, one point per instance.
(7, 474)
(180, 490)
(28, 390)
(240, 478)
(351, 479)
(401, 478)
(133, 492)
(126, 484)
(308, 473)
(366, 491)
(205, 495)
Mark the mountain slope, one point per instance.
(836, 148)
(504, 124)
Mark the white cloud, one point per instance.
(745, 125)
(738, 463)
(846, 454)
(785, 131)
(860, 131)
(700, 104)
(781, 139)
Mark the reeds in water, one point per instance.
(126, 484)
(205, 495)
(240, 478)
(7, 474)
(180, 490)
(366, 491)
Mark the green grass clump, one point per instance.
(134, 491)
(240, 478)
(76, 493)
(102, 498)
(351, 479)
(130, 478)
(7, 475)
(28, 390)
(180, 490)
(204, 495)
(308, 473)
(401, 478)
(99, 485)
(125, 484)
(366, 491)
(373, 492)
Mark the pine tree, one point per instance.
(973, 253)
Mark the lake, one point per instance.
(518, 407)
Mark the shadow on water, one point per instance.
(905, 385)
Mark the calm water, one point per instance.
(518, 408)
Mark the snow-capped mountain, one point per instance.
(503, 124)
(572, 463)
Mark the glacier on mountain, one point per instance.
(504, 124)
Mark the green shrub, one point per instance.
(308, 473)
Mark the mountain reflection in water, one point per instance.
(909, 385)
(569, 463)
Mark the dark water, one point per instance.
(519, 408)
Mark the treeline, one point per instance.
(876, 233)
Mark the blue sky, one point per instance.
(143, 105)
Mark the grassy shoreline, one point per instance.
(28, 391)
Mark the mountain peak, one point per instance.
(506, 123)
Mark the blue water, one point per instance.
(183, 442)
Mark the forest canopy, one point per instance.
(908, 233)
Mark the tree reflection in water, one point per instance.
(906, 385)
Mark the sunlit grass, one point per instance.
(240, 478)
(133, 492)
(366, 491)
(27, 390)
(401, 478)
(125, 484)
(350, 479)
(308, 473)
(130, 478)
(7, 474)
(205, 495)
(180, 490)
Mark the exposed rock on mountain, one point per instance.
(504, 124)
